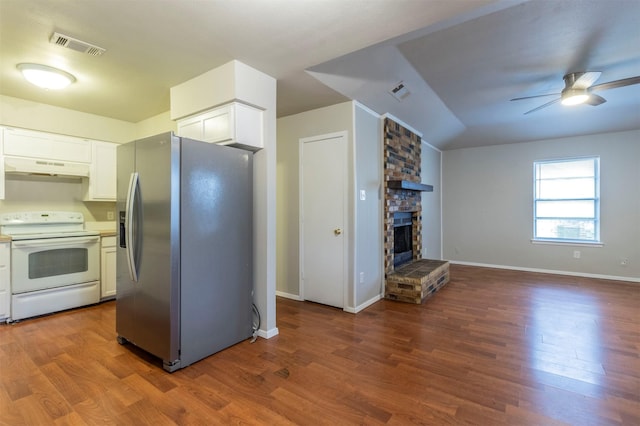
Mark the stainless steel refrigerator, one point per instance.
(184, 258)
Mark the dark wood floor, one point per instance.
(492, 348)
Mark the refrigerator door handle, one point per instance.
(128, 224)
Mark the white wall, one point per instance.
(44, 193)
(32, 115)
(488, 206)
(430, 168)
(290, 130)
(155, 125)
(368, 213)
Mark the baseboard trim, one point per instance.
(289, 296)
(363, 305)
(548, 271)
(268, 334)
(349, 309)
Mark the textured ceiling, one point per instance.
(462, 76)
(153, 45)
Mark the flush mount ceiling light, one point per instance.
(45, 76)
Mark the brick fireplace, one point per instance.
(408, 277)
(401, 164)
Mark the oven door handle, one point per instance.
(131, 200)
(70, 241)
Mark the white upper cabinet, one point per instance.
(1, 164)
(33, 144)
(27, 151)
(101, 185)
(234, 124)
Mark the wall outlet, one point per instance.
(109, 215)
(576, 254)
(361, 277)
(624, 261)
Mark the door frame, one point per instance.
(345, 209)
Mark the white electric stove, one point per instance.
(55, 262)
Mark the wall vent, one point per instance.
(77, 45)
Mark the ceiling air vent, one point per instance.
(400, 92)
(75, 44)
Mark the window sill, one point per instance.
(569, 243)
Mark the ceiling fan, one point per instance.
(579, 88)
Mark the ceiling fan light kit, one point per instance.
(579, 88)
(574, 96)
(45, 76)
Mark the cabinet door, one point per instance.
(28, 143)
(211, 126)
(218, 125)
(108, 268)
(5, 284)
(191, 129)
(231, 124)
(101, 185)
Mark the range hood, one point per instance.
(40, 167)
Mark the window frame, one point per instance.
(595, 199)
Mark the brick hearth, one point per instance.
(417, 281)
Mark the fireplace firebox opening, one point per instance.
(402, 238)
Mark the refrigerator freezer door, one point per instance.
(158, 286)
(125, 289)
(148, 311)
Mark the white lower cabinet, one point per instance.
(5, 280)
(108, 268)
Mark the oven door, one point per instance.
(54, 262)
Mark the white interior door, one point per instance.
(323, 189)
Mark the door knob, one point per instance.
(337, 231)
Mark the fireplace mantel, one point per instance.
(410, 186)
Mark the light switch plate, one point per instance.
(363, 195)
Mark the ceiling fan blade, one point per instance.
(534, 96)
(595, 100)
(617, 83)
(584, 80)
(543, 106)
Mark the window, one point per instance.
(566, 200)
